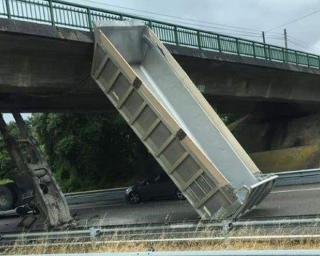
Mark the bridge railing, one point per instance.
(64, 14)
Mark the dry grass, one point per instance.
(122, 243)
(163, 246)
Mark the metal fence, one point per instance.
(64, 14)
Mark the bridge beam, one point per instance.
(41, 62)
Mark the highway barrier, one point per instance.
(104, 196)
(300, 177)
(181, 230)
(193, 232)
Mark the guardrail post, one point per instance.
(219, 43)
(265, 52)
(319, 62)
(269, 50)
(176, 35)
(308, 60)
(287, 55)
(8, 9)
(198, 39)
(237, 46)
(254, 50)
(295, 53)
(51, 13)
(89, 19)
(283, 55)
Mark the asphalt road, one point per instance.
(291, 201)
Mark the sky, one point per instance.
(9, 118)
(242, 18)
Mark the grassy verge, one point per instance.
(269, 238)
(4, 181)
(163, 246)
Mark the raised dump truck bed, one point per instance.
(175, 122)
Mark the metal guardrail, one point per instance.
(104, 196)
(65, 14)
(164, 234)
(300, 177)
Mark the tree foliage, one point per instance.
(91, 151)
(88, 151)
(5, 161)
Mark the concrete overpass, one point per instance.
(47, 68)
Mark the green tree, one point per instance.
(91, 151)
(6, 164)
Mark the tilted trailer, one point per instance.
(35, 188)
(175, 122)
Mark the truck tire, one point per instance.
(6, 198)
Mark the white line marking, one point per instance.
(295, 190)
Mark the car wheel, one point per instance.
(179, 195)
(134, 198)
(6, 199)
(22, 210)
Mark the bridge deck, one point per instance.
(45, 68)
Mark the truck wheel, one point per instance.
(6, 198)
(23, 210)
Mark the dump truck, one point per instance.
(175, 122)
(169, 115)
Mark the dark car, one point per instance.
(158, 187)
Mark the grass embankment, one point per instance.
(288, 159)
(5, 181)
(201, 240)
(163, 246)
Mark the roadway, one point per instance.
(283, 202)
(291, 201)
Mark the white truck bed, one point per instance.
(175, 122)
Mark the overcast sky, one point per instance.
(244, 18)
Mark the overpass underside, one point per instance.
(47, 69)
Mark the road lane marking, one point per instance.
(295, 190)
